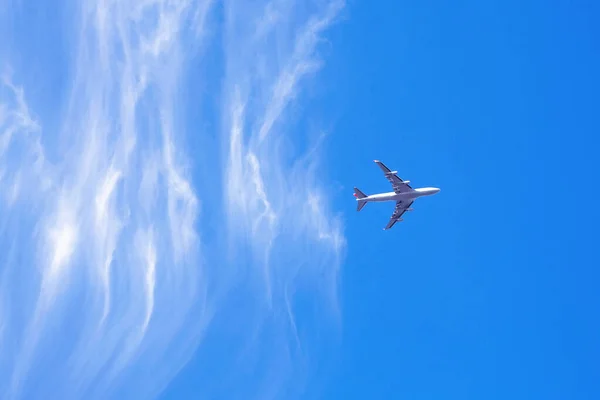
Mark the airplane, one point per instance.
(403, 195)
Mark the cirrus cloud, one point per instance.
(120, 265)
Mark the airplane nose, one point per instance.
(436, 190)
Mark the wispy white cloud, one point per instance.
(111, 247)
(275, 202)
(107, 286)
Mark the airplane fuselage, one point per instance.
(392, 196)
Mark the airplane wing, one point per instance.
(399, 210)
(398, 184)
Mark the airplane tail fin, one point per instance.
(359, 197)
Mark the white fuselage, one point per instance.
(392, 196)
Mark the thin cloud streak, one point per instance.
(275, 204)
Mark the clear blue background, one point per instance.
(490, 288)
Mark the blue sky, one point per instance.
(176, 210)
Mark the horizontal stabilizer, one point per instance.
(358, 194)
(361, 204)
(359, 199)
